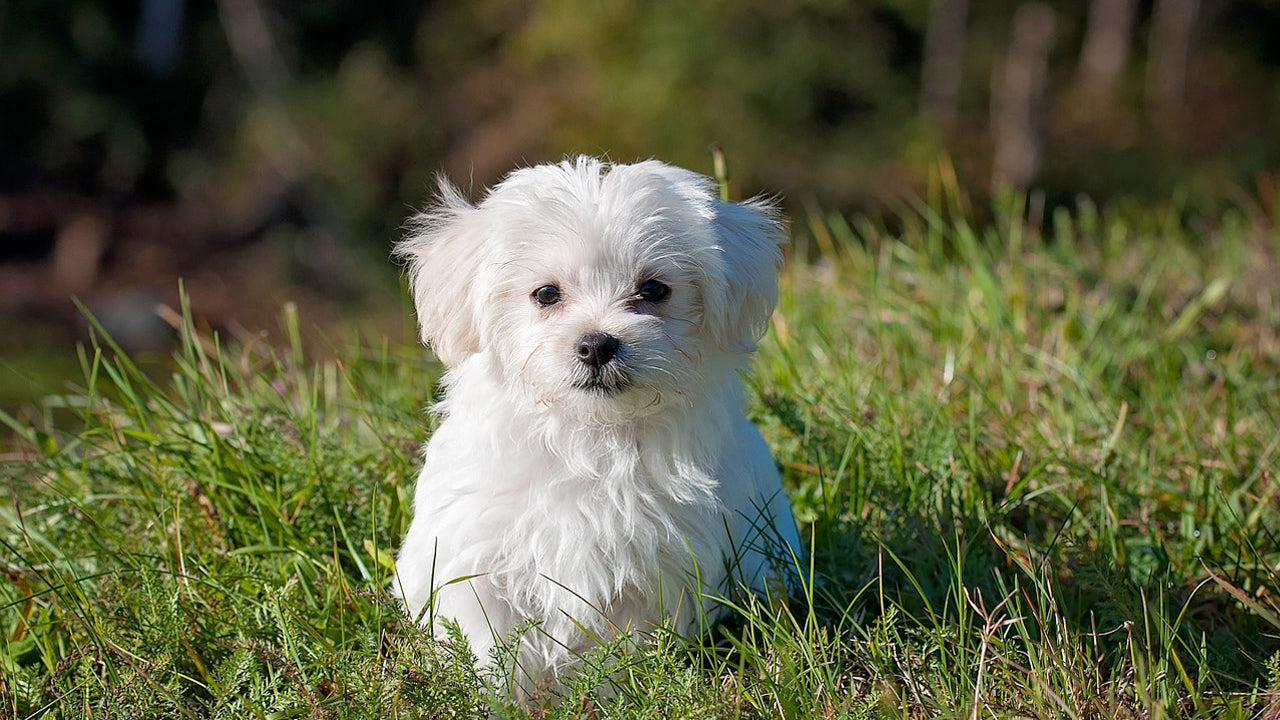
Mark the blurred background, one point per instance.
(267, 151)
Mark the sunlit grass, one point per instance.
(1039, 471)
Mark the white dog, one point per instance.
(593, 471)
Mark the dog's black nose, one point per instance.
(597, 348)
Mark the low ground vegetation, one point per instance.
(1036, 458)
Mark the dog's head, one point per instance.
(595, 284)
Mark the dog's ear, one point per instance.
(446, 251)
(737, 309)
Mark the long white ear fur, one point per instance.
(446, 251)
(750, 235)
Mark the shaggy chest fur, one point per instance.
(612, 547)
(588, 520)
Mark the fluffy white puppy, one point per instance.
(592, 471)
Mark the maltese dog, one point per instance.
(593, 474)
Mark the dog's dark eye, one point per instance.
(653, 291)
(547, 295)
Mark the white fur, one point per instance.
(589, 512)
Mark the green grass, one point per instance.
(1040, 475)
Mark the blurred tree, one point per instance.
(1108, 43)
(1017, 96)
(1173, 26)
(941, 77)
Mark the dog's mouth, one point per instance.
(602, 386)
(609, 380)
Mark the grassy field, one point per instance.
(1039, 470)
